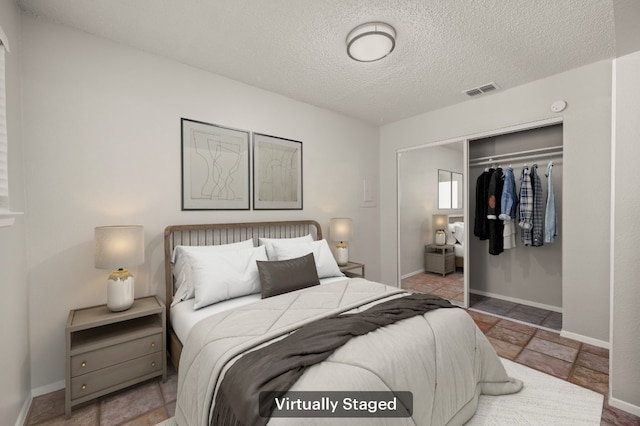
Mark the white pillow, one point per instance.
(181, 268)
(225, 275)
(325, 262)
(270, 243)
(459, 231)
(451, 239)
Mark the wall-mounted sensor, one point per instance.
(558, 106)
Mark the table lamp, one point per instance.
(117, 248)
(440, 222)
(341, 230)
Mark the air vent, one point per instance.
(489, 87)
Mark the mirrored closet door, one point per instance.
(431, 198)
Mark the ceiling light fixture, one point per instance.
(371, 41)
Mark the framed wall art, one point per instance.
(277, 173)
(215, 167)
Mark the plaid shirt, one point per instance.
(526, 206)
(538, 208)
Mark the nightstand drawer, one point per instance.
(105, 357)
(96, 381)
(439, 259)
(450, 263)
(433, 258)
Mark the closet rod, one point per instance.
(523, 157)
(518, 155)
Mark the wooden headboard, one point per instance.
(225, 233)
(453, 218)
(216, 234)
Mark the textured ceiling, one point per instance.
(297, 47)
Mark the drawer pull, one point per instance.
(153, 344)
(84, 364)
(84, 387)
(153, 364)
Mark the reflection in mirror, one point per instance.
(449, 190)
(418, 202)
(456, 190)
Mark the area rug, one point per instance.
(543, 401)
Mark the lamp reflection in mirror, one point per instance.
(439, 224)
(117, 248)
(341, 230)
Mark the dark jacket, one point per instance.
(481, 224)
(496, 226)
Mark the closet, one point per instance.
(526, 275)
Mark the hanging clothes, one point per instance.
(481, 225)
(509, 234)
(537, 232)
(526, 206)
(550, 220)
(494, 194)
(496, 226)
(509, 201)
(508, 209)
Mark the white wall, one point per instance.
(15, 376)
(587, 172)
(418, 200)
(103, 147)
(624, 378)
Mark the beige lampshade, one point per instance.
(340, 229)
(440, 221)
(119, 246)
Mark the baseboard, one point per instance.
(624, 406)
(515, 300)
(42, 390)
(585, 339)
(24, 411)
(410, 274)
(51, 387)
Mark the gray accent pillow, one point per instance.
(283, 276)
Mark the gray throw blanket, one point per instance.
(276, 367)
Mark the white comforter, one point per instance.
(441, 357)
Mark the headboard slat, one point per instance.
(453, 218)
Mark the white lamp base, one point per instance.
(120, 291)
(342, 255)
(441, 237)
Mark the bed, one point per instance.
(439, 356)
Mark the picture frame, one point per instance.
(277, 173)
(215, 167)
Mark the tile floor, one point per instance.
(529, 314)
(543, 350)
(145, 404)
(538, 346)
(451, 287)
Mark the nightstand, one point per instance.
(108, 351)
(350, 266)
(440, 259)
